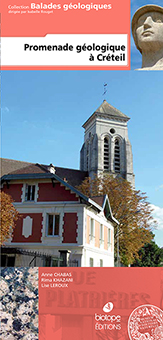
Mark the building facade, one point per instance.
(57, 221)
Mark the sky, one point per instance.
(136, 59)
(43, 113)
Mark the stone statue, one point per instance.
(147, 30)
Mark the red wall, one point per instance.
(49, 193)
(14, 190)
(36, 229)
(70, 228)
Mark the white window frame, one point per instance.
(47, 225)
(109, 238)
(101, 235)
(31, 190)
(92, 232)
(24, 191)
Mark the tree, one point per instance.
(9, 216)
(130, 207)
(151, 255)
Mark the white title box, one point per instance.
(66, 50)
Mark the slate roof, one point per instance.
(30, 169)
(9, 165)
(72, 176)
(98, 199)
(109, 110)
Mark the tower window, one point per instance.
(117, 156)
(106, 154)
(87, 156)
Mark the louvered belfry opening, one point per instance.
(87, 156)
(106, 154)
(117, 156)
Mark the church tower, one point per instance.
(106, 147)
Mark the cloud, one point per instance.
(158, 215)
(28, 124)
(5, 109)
(160, 187)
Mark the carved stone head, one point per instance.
(147, 28)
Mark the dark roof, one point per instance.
(10, 165)
(99, 200)
(30, 169)
(107, 109)
(72, 176)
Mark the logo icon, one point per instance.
(108, 307)
(146, 322)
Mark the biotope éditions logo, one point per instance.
(107, 321)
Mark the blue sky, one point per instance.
(135, 54)
(43, 113)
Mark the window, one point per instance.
(101, 234)
(47, 262)
(91, 229)
(109, 237)
(7, 260)
(52, 225)
(106, 154)
(112, 130)
(101, 263)
(51, 262)
(30, 192)
(91, 262)
(87, 155)
(117, 156)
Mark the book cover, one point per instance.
(66, 271)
